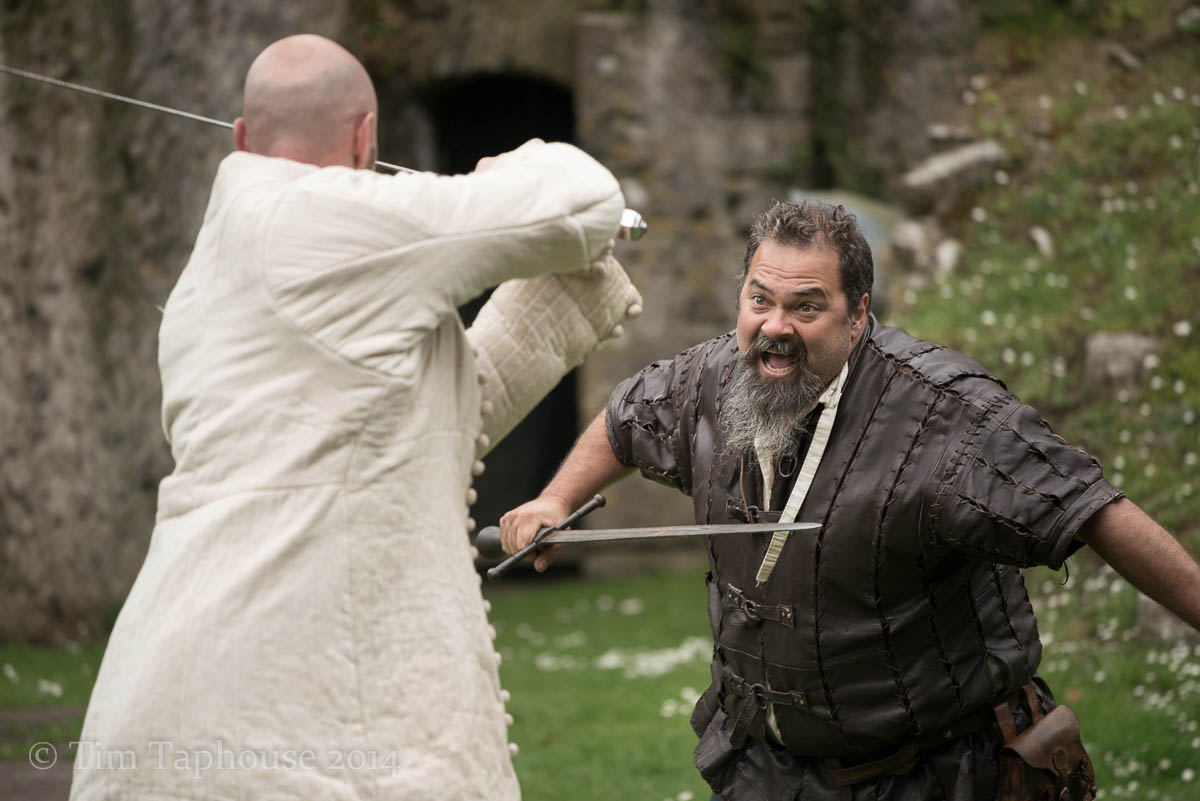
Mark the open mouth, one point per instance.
(778, 364)
(778, 358)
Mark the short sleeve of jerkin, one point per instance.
(648, 419)
(1014, 491)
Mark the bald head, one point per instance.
(308, 99)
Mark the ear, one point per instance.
(858, 319)
(364, 142)
(239, 135)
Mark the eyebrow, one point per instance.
(811, 292)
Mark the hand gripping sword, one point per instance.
(632, 226)
(488, 539)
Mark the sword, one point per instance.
(488, 539)
(632, 225)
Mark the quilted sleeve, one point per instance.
(648, 422)
(533, 331)
(1016, 492)
(370, 264)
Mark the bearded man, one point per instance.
(308, 621)
(890, 655)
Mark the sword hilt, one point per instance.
(489, 538)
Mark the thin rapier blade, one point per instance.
(665, 532)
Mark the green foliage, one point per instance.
(1137, 698)
(1054, 17)
(738, 57)
(1114, 183)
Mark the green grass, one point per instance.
(603, 676)
(32, 677)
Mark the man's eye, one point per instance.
(758, 300)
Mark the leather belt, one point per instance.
(903, 760)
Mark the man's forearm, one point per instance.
(1147, 556)
(589, 467)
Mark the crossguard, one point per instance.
(488, 540)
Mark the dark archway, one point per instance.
(481, 116)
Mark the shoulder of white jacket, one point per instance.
(242, 166)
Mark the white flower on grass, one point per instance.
(50, 688)
(605, 603)
(1175, 142)
(979, 214)
(11, 674)
(684, 795)
(1008, 355)
(1081, 88)
(1182, 328)
(1001, 177)
(1120, 112)
(988, 317)
(636, 664)
(1156, 382)
(1178, 93)
(632, 606)
(669, 708)
(1159, 99)
(1187, 775)
(1044, 102)
(572, 639)
(1178, 387)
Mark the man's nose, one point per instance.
(777, 325)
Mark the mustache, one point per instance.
(788, 346)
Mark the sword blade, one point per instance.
(667, 532)
(488, 539)
(133, 101)
(633, 226)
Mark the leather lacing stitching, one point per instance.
(835, 717)
(889, 655)
(1012, 631)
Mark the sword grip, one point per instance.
(536, 545)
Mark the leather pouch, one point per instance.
(1047, 761)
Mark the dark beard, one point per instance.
(769, 410)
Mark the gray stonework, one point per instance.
(99, 204)
(706, 111)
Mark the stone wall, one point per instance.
(706, 110)
(99, 204)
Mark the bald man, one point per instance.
(308, 622)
